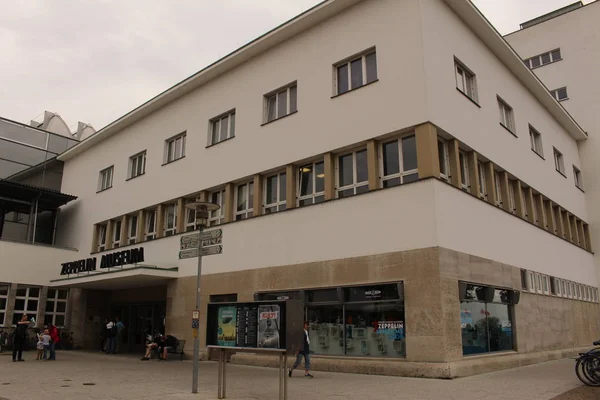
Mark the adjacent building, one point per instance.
(401, 186)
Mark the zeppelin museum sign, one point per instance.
(118, 259)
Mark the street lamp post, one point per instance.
(202, 209)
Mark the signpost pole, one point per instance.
(196, 336)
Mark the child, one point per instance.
(40, 346)
(46, 339)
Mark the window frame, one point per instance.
(362, 56)
(577, 177)
(512, 200)
(546, 284)
(101, 237)
(482, 183)
(150, 234)
(445, 157)
(130, 218)
(555, 93)
(507, 115)
(468, 85)
(105, 178)
(498, 186)
(170, 230)
(134, 162)
(535, 139)
(401, 174)
(230, 116)
(531, 283)
(538, 283)
(26, 299)
(5, 308)
(529, 61)
(354, 186)
(54, 313)
(116, 233)
(288, 102)
(170, 155)
(465, 179)
(217, 217)
(559, 162)
(248, 212)
(279, 204)
(314, 197)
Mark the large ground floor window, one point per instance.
(486, 319)
(353, 321)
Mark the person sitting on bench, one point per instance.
(168, 342)
(151, 344)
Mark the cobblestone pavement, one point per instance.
(81, 375)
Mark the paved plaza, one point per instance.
(81, 375)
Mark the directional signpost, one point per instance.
(211, 244)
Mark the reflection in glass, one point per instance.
(391, 161)
(346, 172)
(362, 174)
(357, 73)
(326, 329)
(342, 79)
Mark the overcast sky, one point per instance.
(95, 60)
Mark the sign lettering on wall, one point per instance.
(117, 259)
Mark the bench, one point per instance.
(178, 349)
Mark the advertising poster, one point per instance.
(269, 323)
(227, 327)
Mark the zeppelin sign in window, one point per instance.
(118, 259)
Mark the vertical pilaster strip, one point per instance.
(181, 215)
(10, 305)
(490, 186)
(473, 173)
(428, 162)
(373, 164)
(41, 311)
(529, 206)
(574, 232)
(95, 239)
(160, 221)
(123, 241)
(329, 160)
(290, 187)
(562, 228)
(505, 192)
(228, 212)
(550, 221)
(588, 240)
(567, 225)
(258, 195)
(453, 151)
(542, 217)
(141, 224)
(519, 201)
(580, 233)
(109, 234)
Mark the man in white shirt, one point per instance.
(305, 352)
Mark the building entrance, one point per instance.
(140, 320)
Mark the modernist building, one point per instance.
(363, 165)
(562, 49)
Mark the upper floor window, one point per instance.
(275, 193)
(132, 221)
(174, 148)
(560, 94)
(117, 233)
(281, 102)
(444, 159)
(150, 230)
(26, 302)
(105, 179)
(512, 202)
(498, 182)
(311, 184)
(464, 170)
(222, 128)
(465, 80)
(481, 177)
(398, 160)
(353, 175)
(4, 289)
(507, 118)
(577, 177)
(543, 59)
(56, 307)
(101, 241)
(137, 165)
(559, 162)
(536, 141)
(356, 72)
(244, 200)
(217, 217)
(170, 219)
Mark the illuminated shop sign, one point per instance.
(117, 259)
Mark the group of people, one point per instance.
(46, 344)
(161, 343)
(110, 335)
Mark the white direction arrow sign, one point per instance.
(206, 251)
(209, 238)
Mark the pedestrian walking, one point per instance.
(19, 338)
(304, 352)
(55, 336)
(111, 334)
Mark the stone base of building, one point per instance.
(473, 365)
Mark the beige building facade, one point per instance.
(362, 166)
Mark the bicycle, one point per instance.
(587, 366)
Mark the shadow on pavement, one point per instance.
(580, 393)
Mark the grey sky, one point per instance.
(95, 60)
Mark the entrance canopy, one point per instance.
(129, 278)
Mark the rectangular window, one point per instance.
(116, 234)
(559, 162)
(353, 174)
(244, 200)
(481, 177)
(534, 209)
(563, 286)
(4, 289)
(398, 161)
(512, 203)
(531, 281)
(536, 141)
(216, 217)
(464, 170)
(275, 193)
(56, 307)
(497, 183)
(554, 286)
(150, 230)
(465, 80)
(507, 118)
(577, 177)
(105, 180)
(538, 283)
(524, 279)
(356, 72)
(137, 165)
(175, 148)
(132, 220)
(444, 160)
(26, 302)
(560, 94)
(222, 128)
(311, 184)
(543, 59)
(170, 219)
(280, 103)
(101, 243)
(545, 284)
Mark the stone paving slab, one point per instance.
(126, 377)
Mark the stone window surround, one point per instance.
(426, 135)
